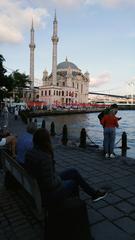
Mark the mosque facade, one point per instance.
(71, 85)
(66, 84)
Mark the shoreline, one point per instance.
(39, 113)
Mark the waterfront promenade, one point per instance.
(110, 219)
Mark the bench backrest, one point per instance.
(29, 184)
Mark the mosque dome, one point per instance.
(66, 64)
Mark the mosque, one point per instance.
(65, 85)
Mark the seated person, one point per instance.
(10, 141)
(54, 188)
(24, 143)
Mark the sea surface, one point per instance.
(93, 128)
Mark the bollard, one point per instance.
(35, 121)
(52, 130)
(83, 138)
(43, 124)
(30, 119)
(64, 139)
(124, 144)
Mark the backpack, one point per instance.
(104, 112)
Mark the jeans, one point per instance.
(109, 140)
(72, 180)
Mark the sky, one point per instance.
(96, 35)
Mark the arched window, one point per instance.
(62, 93)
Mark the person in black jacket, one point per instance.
(39, 162)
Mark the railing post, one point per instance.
(43, 124)
(64, 139)
(35, 121)
(124, 144)
(52, 129)
(83, 138)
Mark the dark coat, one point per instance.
(41, 166)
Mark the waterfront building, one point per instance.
(66, 85)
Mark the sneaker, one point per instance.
(112, 155)
(99, 195)
(106, 155)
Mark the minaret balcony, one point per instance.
(55, 39)
(32, 45)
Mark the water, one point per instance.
(93, 128)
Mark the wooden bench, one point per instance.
(28, 183)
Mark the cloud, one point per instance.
(68, 3)
(104, 3)
(100, 79)
(15, 18)
(111, 3)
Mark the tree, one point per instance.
(3, 77)
(19, 81)
(2, 71)
(15, 82)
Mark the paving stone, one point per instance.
(125, 181)
(98, 204)
(131, 200)
(110, 212)
(127, 224)
(132, 215)
(131, 189)
(108, 231)
(94, 216)
(123, 193)
(112, 199)
(125, 207)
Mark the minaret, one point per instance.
(55, 40)
(32, 47)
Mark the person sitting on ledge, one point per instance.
(54, 188)
(9, 140)
(25, 143)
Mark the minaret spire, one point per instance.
(32, 47)
(55, 40)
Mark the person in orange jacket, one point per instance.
(109, 123)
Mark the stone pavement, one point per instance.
(110, 219)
